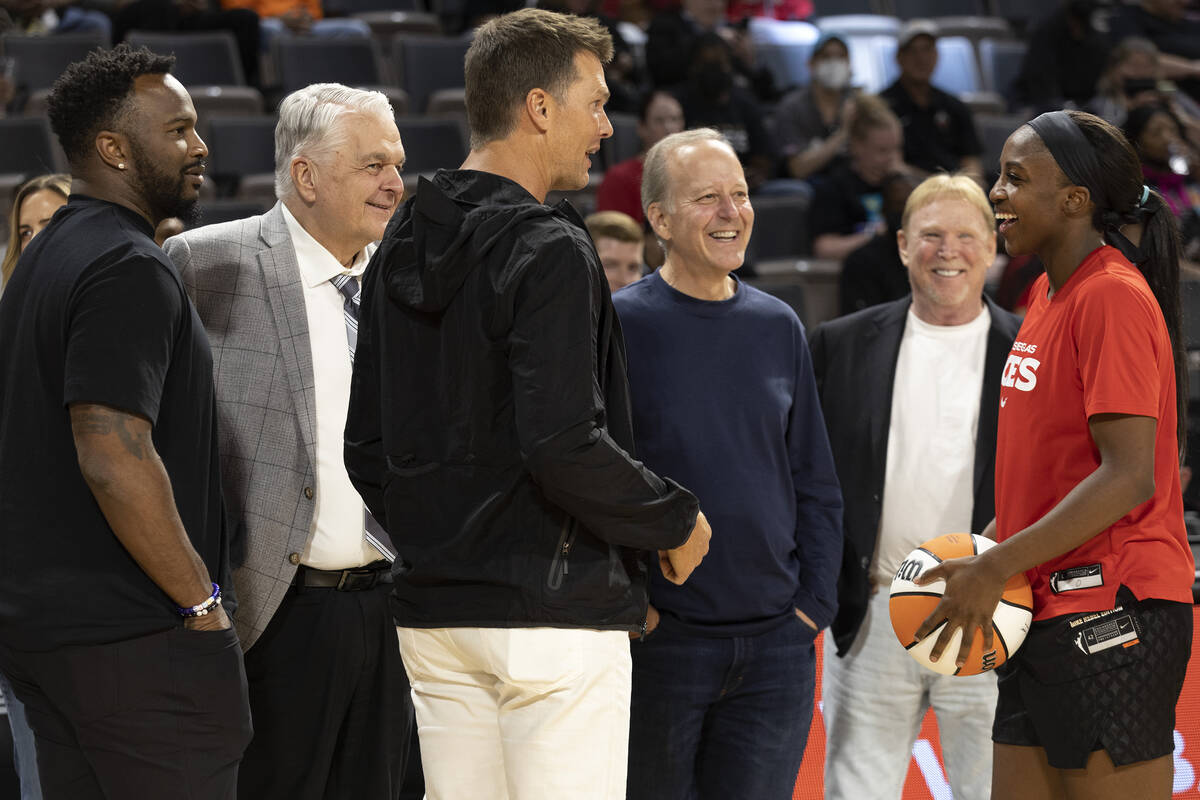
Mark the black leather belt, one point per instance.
(344, 580)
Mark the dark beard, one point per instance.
(163, 192)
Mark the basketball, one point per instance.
(910, 605)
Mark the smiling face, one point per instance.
(166, 154)
(35, 213)
(947, 247)
(579, 123)
(1028, 195)
(707, 218)
(358, 185)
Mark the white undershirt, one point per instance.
(929, 486)
(336, 540)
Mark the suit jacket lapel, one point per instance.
(285, 294)
(998, 346)
(882, 348)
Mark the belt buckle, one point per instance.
(349, 581)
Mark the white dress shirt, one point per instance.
(336, 540)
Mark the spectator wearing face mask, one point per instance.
(811, 122)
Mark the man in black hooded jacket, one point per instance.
(490, 433)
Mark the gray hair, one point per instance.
(655, 182)
(308, 120)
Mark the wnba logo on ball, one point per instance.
(908, 570)
(910, 605)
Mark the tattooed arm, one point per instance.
(123, 470)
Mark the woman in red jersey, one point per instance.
(1088, 501)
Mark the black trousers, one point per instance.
(330, 700)
(160, 717)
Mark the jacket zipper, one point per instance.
(558, 567)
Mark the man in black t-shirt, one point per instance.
(939, 131)
(114, 537)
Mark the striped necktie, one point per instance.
(351, 295)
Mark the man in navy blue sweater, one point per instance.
(724, 400)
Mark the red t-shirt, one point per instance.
(1098, 346)
(621, 189)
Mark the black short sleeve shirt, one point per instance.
(843, 203)
(937, 136)
(96, 313)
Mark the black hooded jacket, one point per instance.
(490, 427)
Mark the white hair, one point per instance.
(308, 124)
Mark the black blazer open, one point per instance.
(854, 359)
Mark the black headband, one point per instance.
(1073, 152)
(1077, 159)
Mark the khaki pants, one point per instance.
(520, 713)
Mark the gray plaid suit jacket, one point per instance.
(245, 282)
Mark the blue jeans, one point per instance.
(720, 717)
(24, 749)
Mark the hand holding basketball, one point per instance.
(973, 589)
(948, 596)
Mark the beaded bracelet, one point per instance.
(200, 609)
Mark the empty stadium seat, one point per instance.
(1000, 61)
(860, 24)
(909, 9)
(430, 144)
(425, 64)
(956, 70)
(303, 60)
(202, 58)
(28, 148)
(780, 229)
(624, 142)
(41, 59)
(784, 47)
(241, 151)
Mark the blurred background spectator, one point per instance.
(847, 206)
(811, 121)
(1067, 52)
(939, 132)
(619, 243)
(33, 205)
(1169, 163)
(621, 189)
(671, 46)
(711, 98)
(1174, 31)
(874, 273)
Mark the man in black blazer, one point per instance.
(910, 392)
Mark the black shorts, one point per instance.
(1101, 680)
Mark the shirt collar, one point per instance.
(317, 265)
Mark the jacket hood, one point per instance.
(446, 232)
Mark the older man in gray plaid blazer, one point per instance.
(278, 294)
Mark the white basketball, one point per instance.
(911, 604)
